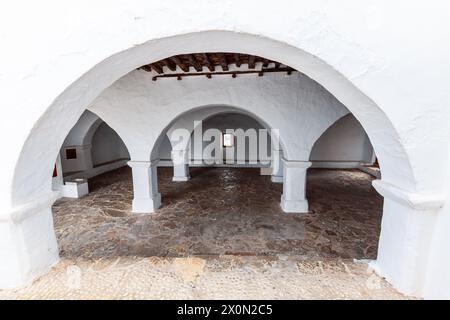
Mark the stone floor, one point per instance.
(220, 235)
(222, 211)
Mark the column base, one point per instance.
(181, 178)
(277, 179)
(28, 247)
(294, 206)
(146, 205)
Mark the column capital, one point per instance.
(142, 164)
(414, 200)
(296, 163)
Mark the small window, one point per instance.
(228, 140)
(71, 153)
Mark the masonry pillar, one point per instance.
(406, 233)
(277, 166)
(294, 186)
(145, 186)
(180, 160)
(28, 246)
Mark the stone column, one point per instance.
(294, 186)
(180, 160)
(277, 166)
(145, 186)
(406, 234)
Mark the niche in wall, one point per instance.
(71, 153)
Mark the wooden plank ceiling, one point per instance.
(213, 63)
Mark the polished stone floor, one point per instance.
(222, 211)
(221, 235)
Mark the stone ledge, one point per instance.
(24, 211)
(414, 200)
(144, 164)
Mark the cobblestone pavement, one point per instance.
(220, 235)
(224, 277)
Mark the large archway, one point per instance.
(373, 119)
(74, 100)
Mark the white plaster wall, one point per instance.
(438, 276)
(344, 142)
(96, 144)
(329, 31)
(287, 103)
(107, 146)
(83, 130)
(55, 62)
(165, 149)
(222, 122)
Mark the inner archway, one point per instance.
(223, 210)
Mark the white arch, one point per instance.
(186, 121)
(40, 147)
(83, 131)
(286, 103)
(75, 99)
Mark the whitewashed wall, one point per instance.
(344, 145)
(55, 62)
(107, 146)
(222, 122)
(96, 144)
(284, 102)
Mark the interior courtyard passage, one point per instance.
(220, 234)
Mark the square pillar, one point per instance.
(28, 246)
(145, 186)
(406, 233)
(294, 186)
(277, 166)
(180, 159)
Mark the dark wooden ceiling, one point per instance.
(212, 62)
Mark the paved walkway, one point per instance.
(220, 235)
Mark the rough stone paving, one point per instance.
(220, 235)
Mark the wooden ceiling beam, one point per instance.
(237, 60)
(157, 68)
(209, 65)
(251, 62)
(170, 64)
(223, 61)
(234, 73)
(193, 61)
(180, 63)
(209, 60)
